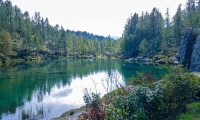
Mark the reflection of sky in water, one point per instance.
(62, 99)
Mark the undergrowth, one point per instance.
(146, 99)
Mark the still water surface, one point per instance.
(58, 85)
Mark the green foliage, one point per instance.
(192, 113)
(179, 88)
(148, 27)
(94, 108)
(37, 37)
(163, 35)
(194, 107)
(124, 110)
(157, 100)
(178, 24)
(142, 79)
(143, 47)
(186, 116)
(91, 98)
(146, 99)
(97, 108)
(5, 43)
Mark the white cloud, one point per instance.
(102, 17)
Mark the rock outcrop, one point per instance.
(195, 59)
(183, 46)
(189, 52)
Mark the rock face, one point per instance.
(195, 59)
(189, 51)
(183, 46)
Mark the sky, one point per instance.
(100, 17)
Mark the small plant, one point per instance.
(95, 110)
(111, 83)
(142, 79)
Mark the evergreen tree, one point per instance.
(143, 47)
(178, 25)
(6, 43)
(166, 32)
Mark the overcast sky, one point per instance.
(101, 17)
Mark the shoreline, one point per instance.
(72, 114)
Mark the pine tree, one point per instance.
(178, 24)
(6, 43)
(143, 47)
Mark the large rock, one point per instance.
(195, 59)
(189, 52)
(183, 46)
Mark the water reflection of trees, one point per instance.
(131, 69)
(19, 82)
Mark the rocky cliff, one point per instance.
(183, 46)
(189, 52)
(195, 59)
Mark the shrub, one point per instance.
(149, 99)
(193, 112)
(165, 98)
(179, 89)
(194, 107)
(94, 108)
(186, 116)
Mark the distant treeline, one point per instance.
(88, 35)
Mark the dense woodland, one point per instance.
(152, 33)
(24, 36)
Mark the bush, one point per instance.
(193, 112)
(149, 99)
(165, 98)
(94, 108)
(186, 116)
(194, 107)
(179, 89)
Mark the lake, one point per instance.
(57, 85)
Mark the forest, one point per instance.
(32, 37)
(152, 33)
